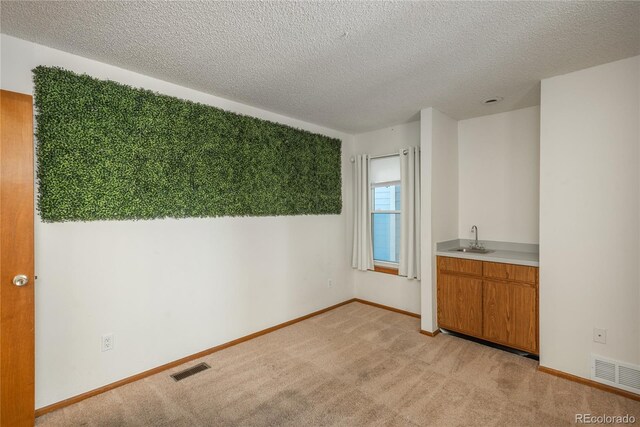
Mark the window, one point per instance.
(385, 211)
(386, 222)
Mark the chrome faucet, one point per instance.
(476, 244)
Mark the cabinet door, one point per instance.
(460, 304)
(510, 314)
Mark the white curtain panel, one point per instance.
(362, 257)
(410, 217)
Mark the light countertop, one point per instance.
(504, 252)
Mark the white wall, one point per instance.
(439, 172)
(394, 291)
(590, 215)
(499, 176)
(167, 288)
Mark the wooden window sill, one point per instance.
(385, 270)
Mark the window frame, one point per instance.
(385, 266)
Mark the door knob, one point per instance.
(20, 280)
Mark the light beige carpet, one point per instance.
(353, 366)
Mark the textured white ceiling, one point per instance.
(352, 66)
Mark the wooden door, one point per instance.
(460, 303)
(510, 314)
(16, 258)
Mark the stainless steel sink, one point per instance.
(472, 250)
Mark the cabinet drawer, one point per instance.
(459, 265)
(516, 273)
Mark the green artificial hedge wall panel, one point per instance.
(107, 151)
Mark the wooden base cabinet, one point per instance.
(510, 315)
(460, 304)
(492, 301)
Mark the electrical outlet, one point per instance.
(107, 342)
(600, 335)
(329, 283)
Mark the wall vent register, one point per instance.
(615, 373)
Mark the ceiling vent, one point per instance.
(491, 101)
(616, 374)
